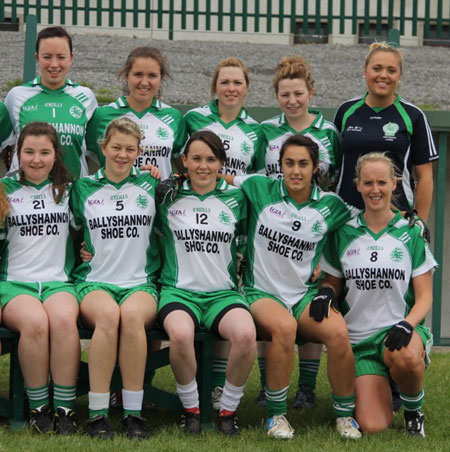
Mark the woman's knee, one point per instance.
(109, 319)
(406, 360)
(373, 424)
(284, 332)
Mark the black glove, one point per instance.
(321, 303)
(413, 218)
(399, 335)
(169, 188)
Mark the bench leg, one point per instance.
(16, 390)
(204, 378)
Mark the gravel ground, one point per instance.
(337, 69)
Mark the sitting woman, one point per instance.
(36, 296)
(116, 209)
(384, 269)
(289, 222)
(199, 282)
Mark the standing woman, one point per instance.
(227, 117)
(6, 130)
(382, 121)
(241, 136)
(293, 83)
(163, 127)
(116, 209)
(384, 269)
(289, 222)
(36, 259)
(55, 99)
(199, 282)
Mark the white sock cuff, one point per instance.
(132, 400)
(188, 395)
(232, 388)
(98, 400)
(183, 389)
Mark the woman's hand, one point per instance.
(86, 256)
(154, 170)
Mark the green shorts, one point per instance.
(369, 352)
(119, 294)
(205, 308)
(252, 295)
(39, 290)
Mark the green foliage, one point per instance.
(12, 83)
(428, 106)
(314, 429)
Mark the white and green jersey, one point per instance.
(285, 239)
(117, 221)
(163, 127)
(67, 109)
(241, 138)
(199, 238)
(36, 245)
(378, 271)
(6, 130)
(324, 133)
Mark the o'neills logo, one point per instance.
(276, 212)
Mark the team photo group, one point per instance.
(293, 233)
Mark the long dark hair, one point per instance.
(59, 175)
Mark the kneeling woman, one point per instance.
(116, 209)
(387, 268)
(37, 299)
(289, 222)
(200, 228)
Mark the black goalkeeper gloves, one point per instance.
(168, 188)
(322, 302)
(413, 218)
(399, 335)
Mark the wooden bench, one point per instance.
(13, 407)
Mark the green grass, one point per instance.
(314, 429)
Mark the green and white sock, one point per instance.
(64, 396)
(276, 401)
(344, 406)
(219, 367)
(307, 372)
(412, 402)
(38, 396)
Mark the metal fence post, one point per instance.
(29, 63)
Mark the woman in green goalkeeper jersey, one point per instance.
(55, 99)
(36, 260)
(384, 269)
